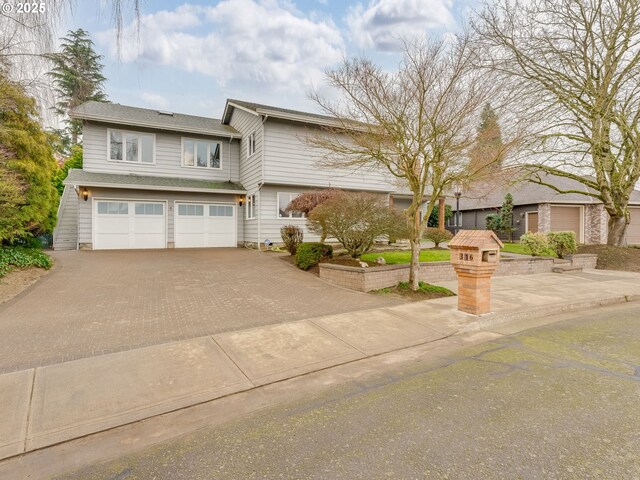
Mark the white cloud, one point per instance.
(382, 24)
(254, 42)
(154, 100)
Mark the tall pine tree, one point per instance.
(487, 154)
(77, 77)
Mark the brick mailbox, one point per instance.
(475, 255)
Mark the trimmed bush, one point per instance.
(356, 219)
(292, 237)
(437, 236)
(535, 244)
(17, 257)
(309, 254)
(563, 243)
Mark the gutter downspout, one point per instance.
(229, 156)
(264, 119)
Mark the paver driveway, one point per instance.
(100, 302)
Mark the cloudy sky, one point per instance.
(191, 57)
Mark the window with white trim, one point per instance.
(251, 144)
(132, 147)
(251, 206)
(149, 209)
(190, 210)
(113, 208)
(283, 201)
(200, 153)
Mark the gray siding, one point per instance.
(270, 224)
(250, 168)
(168, 156)
(476, 219)
(290, 161)
(85, 208)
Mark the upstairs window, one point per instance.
(131, 147)
(251, 144)
(200, 153)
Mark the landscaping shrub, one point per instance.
(437, 236)
(356, 220)
(563, 243)
(292, 237)
(309, 254)
(17, 257)
(534, 243)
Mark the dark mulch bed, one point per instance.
(614, 258)
(425, 292)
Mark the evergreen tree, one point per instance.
(506, 216)
(434, 217)
(28, 200)
(77, 77)
(487, 153)
(502, 222)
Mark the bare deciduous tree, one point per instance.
(416, 123)
(575, 65)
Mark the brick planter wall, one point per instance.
(375, 278)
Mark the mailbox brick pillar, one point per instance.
(474, 292)
(475, 255)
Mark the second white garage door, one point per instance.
(204, 225)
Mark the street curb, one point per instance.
(492, 320)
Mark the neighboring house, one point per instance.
(154, 179)
(538, 208)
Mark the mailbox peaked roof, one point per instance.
(475, 239)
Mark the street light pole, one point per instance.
(457, 192)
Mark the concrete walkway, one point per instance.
(46, 405)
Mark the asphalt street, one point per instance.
(560, 401)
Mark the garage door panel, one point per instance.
(566, 219)
(205, 225)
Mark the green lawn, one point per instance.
(429, 255)
(403, 256)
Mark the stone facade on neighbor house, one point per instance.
(155, 179)
(538, 208)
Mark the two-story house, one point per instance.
(154, 179)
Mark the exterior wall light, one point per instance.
(85, 194)
(241, 200)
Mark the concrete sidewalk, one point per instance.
(43, 406)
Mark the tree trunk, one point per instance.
(441, 213)
(617, 230)
(414, 239)
(414, 269)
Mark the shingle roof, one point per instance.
(490, 195)
(110, 180)
(276, 112)
(144, 117)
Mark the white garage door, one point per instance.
(205, 225)
(633, 230)
(129, 224)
